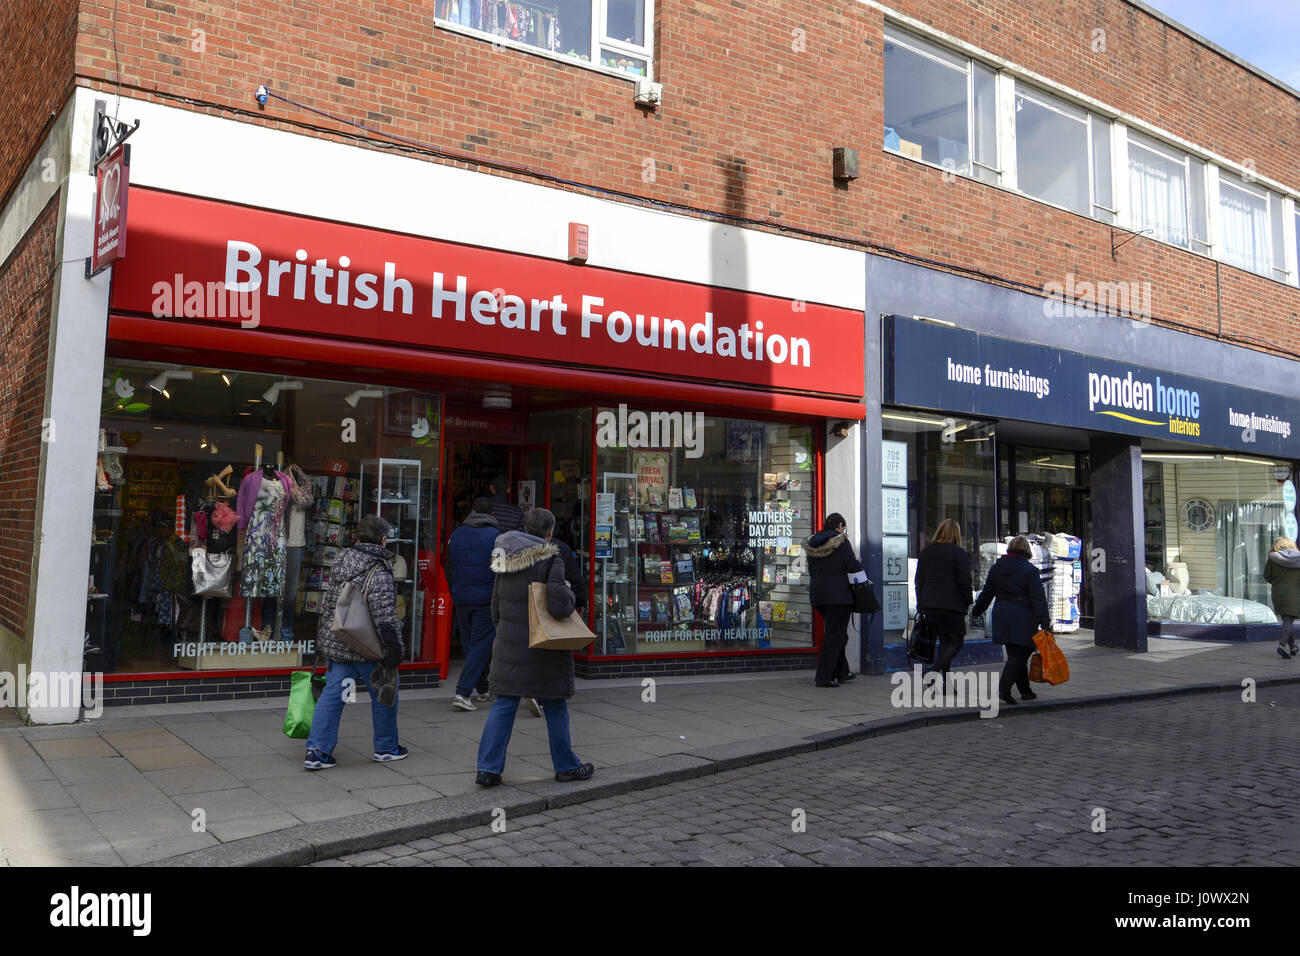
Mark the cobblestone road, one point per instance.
(1203, 780)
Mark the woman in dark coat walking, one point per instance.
(830, 562)
(519, 559)
(1020, 614)
(943, 590)
(1283, 572)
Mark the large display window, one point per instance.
(935, 468)
(698, 528)
(222, 498)
(1211, 520)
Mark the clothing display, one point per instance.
(537, 26)
(264, 541)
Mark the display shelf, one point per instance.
(402, 477)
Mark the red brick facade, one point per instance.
(756, 95)
(26, 297)
(36, 75)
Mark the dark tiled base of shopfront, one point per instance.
(694, 667)
(186, 690)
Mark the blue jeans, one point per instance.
(501, 721)
(476, 635)
(325, 723)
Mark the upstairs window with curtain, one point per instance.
(1245, 234)
(1166, 193)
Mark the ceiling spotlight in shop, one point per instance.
(272, 394)
(229, 377)
(497, 398)
(212, 447)
(361, 393)
(159, 382)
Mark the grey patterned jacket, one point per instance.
(381, 597)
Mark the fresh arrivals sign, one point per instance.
(327, 279)
(945, 369)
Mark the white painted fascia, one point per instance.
(232, 161)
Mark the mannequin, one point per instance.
(301, 503)
(262, 503)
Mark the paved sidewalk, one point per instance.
(128, 788)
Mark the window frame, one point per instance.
(599, 43)
(1052, 102)
(1139, 139)
(1233, 180)
(947, 58)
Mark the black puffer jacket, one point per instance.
(519, 559)
(354, 564)
(1022, 604)
(830, 562)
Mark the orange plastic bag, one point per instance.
(1049, 661)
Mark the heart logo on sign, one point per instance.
(108, 196)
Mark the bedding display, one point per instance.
(1207, 609)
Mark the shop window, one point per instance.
(949, 473)
(940, 107)
(1214, 518)
(1046, 466)
(1251, 234)
(699, 524)
(1060, 156)
(189, 460)
(1166, 193)
(618, 31)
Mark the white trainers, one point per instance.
(534, 706)
(481, 696)
(464, 703)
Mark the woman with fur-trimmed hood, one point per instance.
(830, 562)
(519, 559)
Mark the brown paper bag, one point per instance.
(546, 633)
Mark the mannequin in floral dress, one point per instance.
(264, 544)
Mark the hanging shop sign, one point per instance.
(934, 367)
(112, 181)
(192, 257)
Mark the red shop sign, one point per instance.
(112, 182)
(200, 260)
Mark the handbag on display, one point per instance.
(864, 593)
(213, 573)
(922, 642)
(352, 622)
(547, 633)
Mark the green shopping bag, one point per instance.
(302, 703)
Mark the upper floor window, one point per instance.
(1063, 154)
(940, 108)
(1166, 193)
(615, 33)
(1251, 233)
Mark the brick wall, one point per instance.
(26, 291)
(757, 94)
(38, 39)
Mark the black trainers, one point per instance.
(485, 779)
(318, 761)
(583, 772)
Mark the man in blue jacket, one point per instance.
(469, 572)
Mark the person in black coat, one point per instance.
(830, 562)
(943, 590)
(508, 517)
(572, 571)
(1021, 613)
(520, 559)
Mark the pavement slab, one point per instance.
(106, 780)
